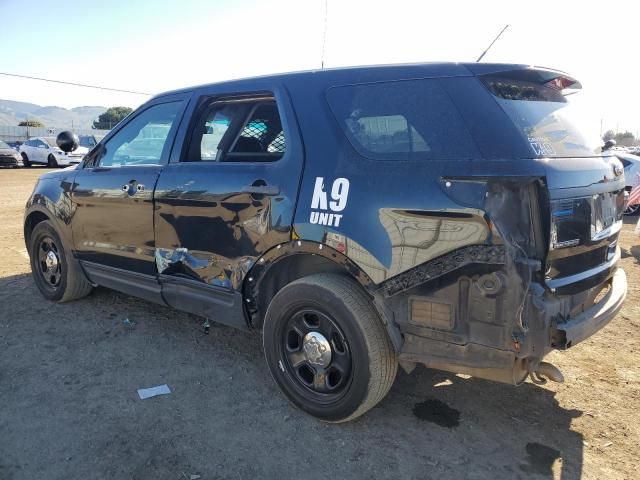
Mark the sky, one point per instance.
(159, 45)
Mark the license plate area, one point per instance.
(580, 221)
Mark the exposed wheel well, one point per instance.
(30, 223)
(280, 274)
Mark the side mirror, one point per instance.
(67, 141)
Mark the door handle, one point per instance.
(261, 189)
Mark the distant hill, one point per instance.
(12, 113)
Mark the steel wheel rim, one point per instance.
(316, 354)
(50, 267)
(632, 209)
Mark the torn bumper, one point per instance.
(582, 326)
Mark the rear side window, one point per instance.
(545, 117)
(402, 120)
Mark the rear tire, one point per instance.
(56, 273)
(25, 160)
(327, 348)
(52, 162)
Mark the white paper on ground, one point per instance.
(153, 391)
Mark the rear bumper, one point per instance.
(593, 319)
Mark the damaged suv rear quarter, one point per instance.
(455, 212)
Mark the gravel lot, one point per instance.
(69, 407)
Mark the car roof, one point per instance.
(368, 73)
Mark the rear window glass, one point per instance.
(546, 118)
(402, 120)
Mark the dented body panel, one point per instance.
(479, 261)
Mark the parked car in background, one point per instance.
(43, 150)
(8, 156)
(631, 165)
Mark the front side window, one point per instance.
(143, 140)
(238, 131)
(402, 120)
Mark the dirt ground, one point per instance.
(69, 407)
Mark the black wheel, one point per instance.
(52, 162)
(57, 275)
(632, 210)
(25, 160)
(327, 348)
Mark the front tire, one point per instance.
(52, 162)
(327, 348)
(25, 160)
(56, 273)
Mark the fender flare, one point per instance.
(259, 270)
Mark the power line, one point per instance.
(74, 84)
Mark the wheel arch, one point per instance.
(290, 261)
(32, 219)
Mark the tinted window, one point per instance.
(411, 119)
(142, 141)
(87, 141)
(544, 116)
(215, 126)
(245, 131)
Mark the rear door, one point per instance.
(39, 152)
(113, 199)
(225, 199)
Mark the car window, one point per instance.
(262, 134)
(215, 126)
(245, 131)
(402, 120)
(142, 141)
(87, 141)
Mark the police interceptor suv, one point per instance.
(444, 214)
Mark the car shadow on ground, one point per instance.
(92, 354)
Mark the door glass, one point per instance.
(262, 138)
(215, 127)
(143, 140)
(247, 131)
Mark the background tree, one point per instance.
(31, 123)
(625, 139)
(609, 135)
(111, 117)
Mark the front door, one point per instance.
(229, 199)
(113, 197)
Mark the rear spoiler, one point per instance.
(555, 79)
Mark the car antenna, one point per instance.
(491, 44)
(324, 32)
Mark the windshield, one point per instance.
(51, 142)
(545, 117)
(3, 145)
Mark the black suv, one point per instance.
(443, 214)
